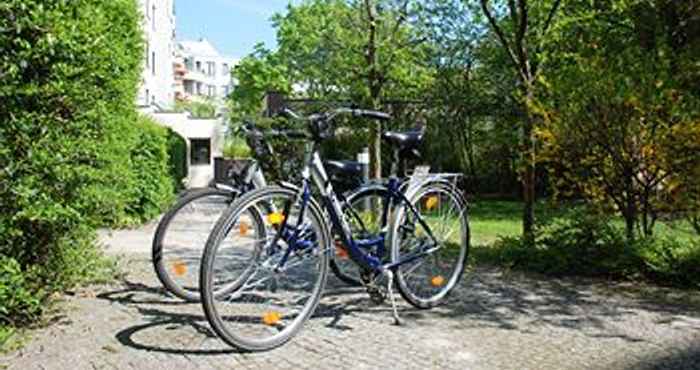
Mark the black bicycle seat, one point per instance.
(406, 140)
(345, 168)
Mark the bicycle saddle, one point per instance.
(405, 140)
(346, 168)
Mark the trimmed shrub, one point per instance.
(74, 154)
(153, 186)
(177, 159)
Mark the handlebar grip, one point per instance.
(381, 116)
(292, 134)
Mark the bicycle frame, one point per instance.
(314, 172)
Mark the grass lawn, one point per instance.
(491, 219)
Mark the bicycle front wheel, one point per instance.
(258, 289)
(430, 238)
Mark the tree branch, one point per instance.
(499, 33)
(550, 17)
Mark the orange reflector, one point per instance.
(243, 228)
(340, 251)
(179, 268)
(437, 281)
(431, 202)
(271, 318)
(275, 218)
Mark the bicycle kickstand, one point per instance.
(390, 289)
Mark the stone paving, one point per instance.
(495, 320)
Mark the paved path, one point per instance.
(494, 321)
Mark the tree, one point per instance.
(363, 51)
(255, 75)
(622, 127)
(522, 47)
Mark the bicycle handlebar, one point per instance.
(330, 116)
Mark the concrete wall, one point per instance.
(188, 128)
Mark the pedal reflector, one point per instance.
(179, 268)
(437, 281)
(340, 251)
(432, 202)
(271, 318)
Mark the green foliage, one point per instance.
(153, 188)
(70, 140)
(256, 74)
(199, 108)
(18, 302)
(177, 158)
(621, 127)
(587, 243)
(236, 148)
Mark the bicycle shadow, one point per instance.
(487, 298)
(187, 328)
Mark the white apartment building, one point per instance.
(203, 71)
(157, 86)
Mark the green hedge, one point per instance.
(154, 186)
(177, 159)
(74, 154)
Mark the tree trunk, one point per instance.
(375, 88)
(528, 175)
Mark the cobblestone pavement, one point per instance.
(493, 321)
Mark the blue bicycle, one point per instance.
(266, 261)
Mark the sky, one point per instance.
(232, 26)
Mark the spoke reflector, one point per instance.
(243, 228)
(275, 218)
(437, 281)
(179, 268)
(431, 202)
(271, 318)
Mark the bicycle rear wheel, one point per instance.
(439, 263)
(257, 291)
(180, 237)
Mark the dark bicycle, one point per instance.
(258, 289)
(179, 239)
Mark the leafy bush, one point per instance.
(153, 188)
(585, 243)
(237, 148)
(177, 158)
(197, 108)
(672, 261)
(69, 145)
(17, 301)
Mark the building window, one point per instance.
(211, 68)
(148, 53)
(148, 95)
(200, 151)
(211, 91)
(153, 63)
(225, 90)
(199, 66)
(148, 8)
(224, 69)
(153, 17)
